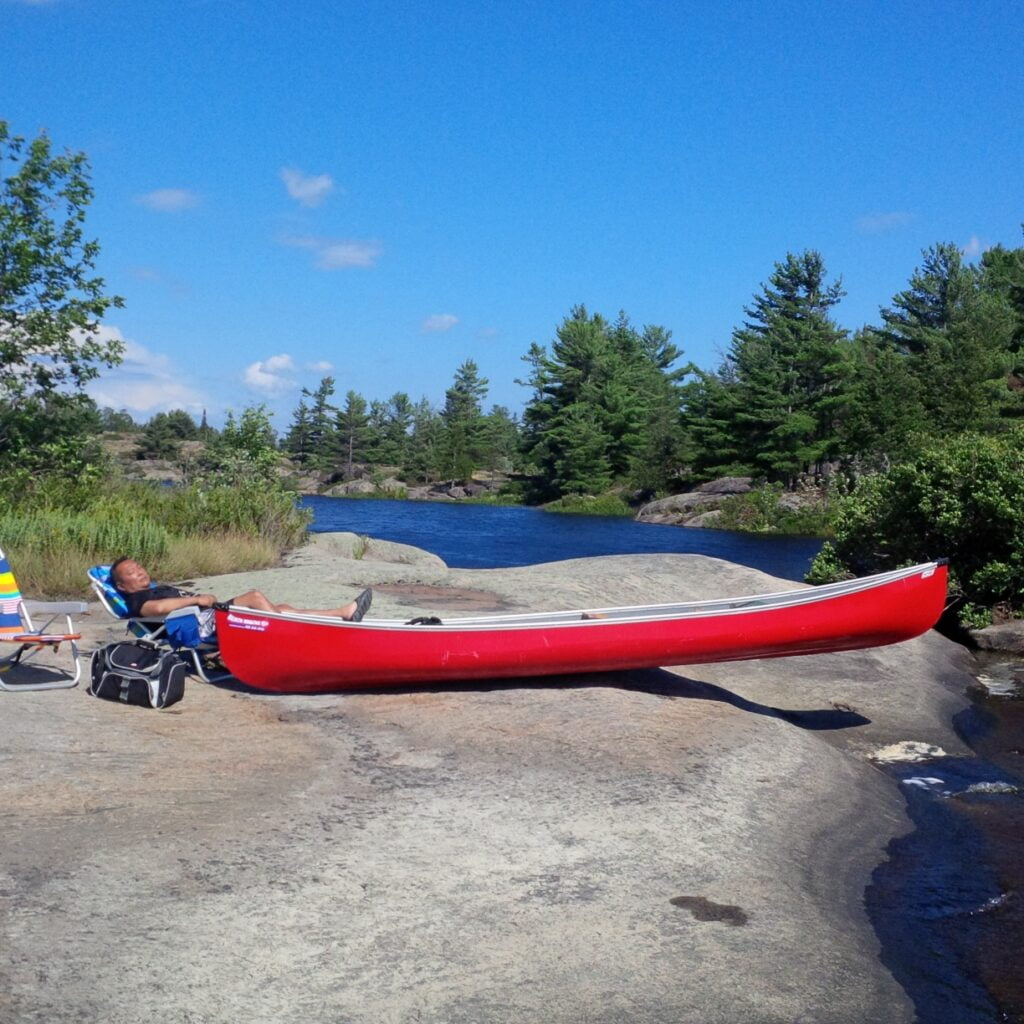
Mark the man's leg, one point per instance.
(256, 600)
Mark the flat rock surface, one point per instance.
(1007, 637)
(685, 845)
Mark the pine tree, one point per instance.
(790, 362)
(298, 442)
(322, 440)
(353, 431)
(613, 384)
(463, 421)
(425, 442)
(958, 329)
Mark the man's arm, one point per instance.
(164, 605)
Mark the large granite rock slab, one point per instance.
(684, 845)
(693, 508)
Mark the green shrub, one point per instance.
(586, 505)
(760, 511)
(961, 498)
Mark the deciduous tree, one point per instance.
(51, 302)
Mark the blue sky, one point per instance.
(381, 190)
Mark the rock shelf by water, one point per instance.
(685, 845)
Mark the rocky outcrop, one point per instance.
(1007, 637)
(364, 487)
(450, 492)
(524, 851)
(694, 508)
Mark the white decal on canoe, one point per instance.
(243, 622)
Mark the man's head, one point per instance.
(128, 576)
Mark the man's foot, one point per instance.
(362, 604)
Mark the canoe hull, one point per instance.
(293, 654)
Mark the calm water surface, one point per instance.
(493, 537)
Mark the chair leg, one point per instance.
(200, 669)
(57, 684)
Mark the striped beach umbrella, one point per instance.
(10, 599)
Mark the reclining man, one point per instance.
(143, 597)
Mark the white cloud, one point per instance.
(338, 254)
(439, 322)
(320, 366)
(271, 376)
(309, 190)
(145, 382)
(169, 200)
(974, 247)
(877, 223)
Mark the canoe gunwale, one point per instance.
(629, 614)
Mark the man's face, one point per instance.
(131, 577)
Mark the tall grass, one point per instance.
(175, 532)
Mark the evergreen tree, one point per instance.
(957, 327)
(920, 315)
(710, 404)
(613, 384)
(298, 442)
(500, 440)
(425, 443)
(463, 422)
(1002, 276)
(665, 453)
(791, 366)
(206, 432)
(162, 436)
(885, 418)
(353, 431)
(322, 440)
(580, 444)
(395, 442)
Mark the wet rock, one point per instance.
(1007, 637)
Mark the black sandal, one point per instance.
(363, 602)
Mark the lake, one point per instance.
(493, 536)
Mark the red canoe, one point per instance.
(305, 654)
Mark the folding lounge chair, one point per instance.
(17, 630)
(153, 629)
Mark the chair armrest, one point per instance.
(56, 607)
(189, 610)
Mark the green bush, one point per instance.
(760, 511)
(585, 505)
(962, 499)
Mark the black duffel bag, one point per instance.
(137, 673)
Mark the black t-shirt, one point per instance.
(156, 592)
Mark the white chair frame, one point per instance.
(36, 639)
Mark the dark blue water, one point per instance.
(935, 896)
(493, 537)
